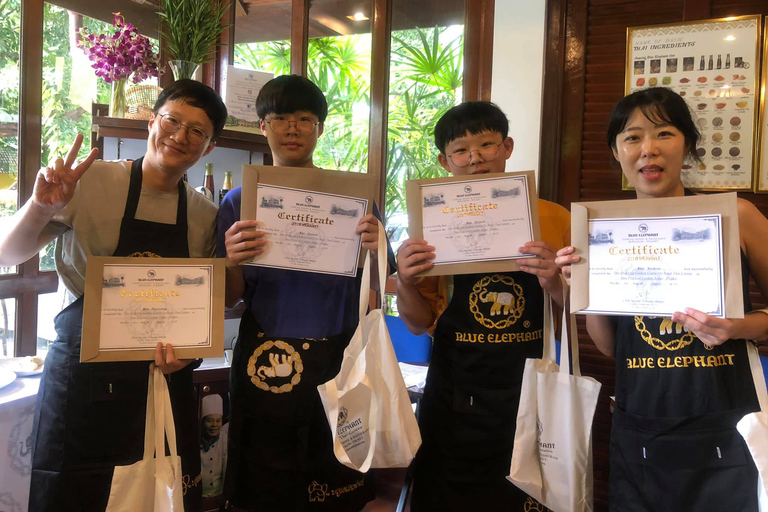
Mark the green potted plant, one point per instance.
(190, 29)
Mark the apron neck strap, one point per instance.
(134, 193)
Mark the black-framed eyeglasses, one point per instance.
(170, 124)
(487, 152)
(280, 124)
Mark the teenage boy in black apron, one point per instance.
(292, 338)
(90, 417)
(682, 383)
(485, 326)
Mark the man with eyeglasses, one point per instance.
(281, 447)
(468, 413)
(90, 417)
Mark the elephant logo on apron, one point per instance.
(666, 327)
(497, 301)
(317, 492)
(531, 505)
(275, 367)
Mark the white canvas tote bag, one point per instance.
(552, 454)
(154, 483)
(754, 427)
(367, 404)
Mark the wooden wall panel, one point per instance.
(591, 83)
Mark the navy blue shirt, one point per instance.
(291, 303)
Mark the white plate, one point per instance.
(14, 364)
(6, 377)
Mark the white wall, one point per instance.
(518, 66)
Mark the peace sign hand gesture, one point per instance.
(55, 186)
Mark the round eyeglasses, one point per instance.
(281, 125)
(170, 124)
(488, 151)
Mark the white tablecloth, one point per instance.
(17, 409)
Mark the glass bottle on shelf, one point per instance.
(711, 63)
(226, 187)
(728, 61)
(701, 64)
(207, 187)
(719, 61)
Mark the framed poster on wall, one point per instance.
(715, 66)
(761, 183)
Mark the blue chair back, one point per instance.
(764, 360)
(409, 348)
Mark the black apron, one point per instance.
(90, 417)
(281, 451)
(674, 445)
(493, 323)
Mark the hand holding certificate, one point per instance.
(476, 223)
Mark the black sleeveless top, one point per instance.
(664, 371)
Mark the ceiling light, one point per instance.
(730, 38)
(358, 16)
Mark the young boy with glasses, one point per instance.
(292, 336)
(468, 413)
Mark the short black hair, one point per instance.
(198, 95)
(287, 94)
(470, 117)
(659, 105)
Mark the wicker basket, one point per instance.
(141, 100)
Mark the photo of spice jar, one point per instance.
(688, 63)
(639, 67)
(655, 66)
(672, 65)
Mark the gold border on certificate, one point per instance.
(761, 179)
(350, 184)
(416, 230)
(91, 350)
(723, 204)
(719, 27)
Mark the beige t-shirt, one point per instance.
(90, 223)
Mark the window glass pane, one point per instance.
(263, 37)
(70, 86)
(425, 80)
(48, 306)
(10, 26)
(7, 327)
(339, 62)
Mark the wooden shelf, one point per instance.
(137, 129)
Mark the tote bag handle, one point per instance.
(365, 285)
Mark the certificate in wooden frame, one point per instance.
(92, 350)
(351, 184)
(724, 99)
(415, 225)
(723, 204)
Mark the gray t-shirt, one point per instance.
(90, 223)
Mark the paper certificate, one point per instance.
(656, 266)
(142, 305)
(478, 220)
(309, 231)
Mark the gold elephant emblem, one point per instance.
(281, 366)
(502, 301)
(666, 326)
(531, 505)
(317, 492)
